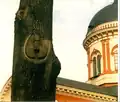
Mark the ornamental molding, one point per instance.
(101, 32)
(95, 52)
(68, 91)
(115, 47)
(78, 93)
(5, 89)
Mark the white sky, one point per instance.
(70, 21)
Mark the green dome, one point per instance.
(107, 14)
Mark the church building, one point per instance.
(101, 45)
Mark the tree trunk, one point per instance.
(35, 66)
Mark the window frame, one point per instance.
(114, 53)
(97, 71)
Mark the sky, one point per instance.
(70, 21)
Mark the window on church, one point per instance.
(115, 56)
(98, 64)
(94, 66)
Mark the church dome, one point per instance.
(101, 45)
(107, 14)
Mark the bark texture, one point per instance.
(35, 65)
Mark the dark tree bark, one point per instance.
(35, 65)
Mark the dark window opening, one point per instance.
(94, 66)
(98, 64)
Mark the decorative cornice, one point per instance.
(69, 91)
(105, 78)
(101, 32)
(97, 97)
(5, 89)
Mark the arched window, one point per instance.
(116, 59)
(96, 63)
(115, 55)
